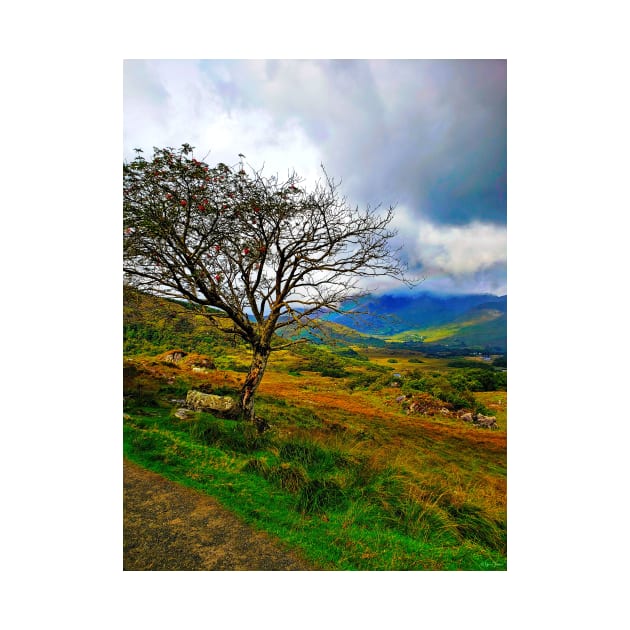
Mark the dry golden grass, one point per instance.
(440, 459)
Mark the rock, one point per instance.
(173, 356)
(489, 422)
(199, 401)
(184, 414)
(467, 417)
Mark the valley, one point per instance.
(368, 464)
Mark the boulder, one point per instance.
(200, 401)
(467, 417)
(184, 414)
(173, 356)
(489, 422)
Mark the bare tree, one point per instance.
(267, 252)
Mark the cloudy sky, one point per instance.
(426, 136)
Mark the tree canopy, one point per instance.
(268, 252)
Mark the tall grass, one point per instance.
(346, 502)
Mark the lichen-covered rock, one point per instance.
(184, 414)
(489, 422)
(172, 356)
(200, 401)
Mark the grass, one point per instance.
(343, 476)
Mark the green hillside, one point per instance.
(479, 329)
(152, 325)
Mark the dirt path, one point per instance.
(168, 527)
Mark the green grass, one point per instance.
(331, 500)
(357, 485)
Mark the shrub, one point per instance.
(334, 372)
(364, 380)
(416, 384)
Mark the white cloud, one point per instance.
(459, 250)
(169, 103)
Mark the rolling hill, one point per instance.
(425, 322)
(472, 321)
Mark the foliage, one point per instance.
(236, 240)
(152, 326)
(321, 360)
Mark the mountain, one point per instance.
(470, 321)
(424, 322)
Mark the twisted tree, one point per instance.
(268, 253)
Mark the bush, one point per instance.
(334, 372)
(416, 384)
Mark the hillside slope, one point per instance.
(476, 321)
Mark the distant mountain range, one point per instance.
(425, 322)
(473, 321)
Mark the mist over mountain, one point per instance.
(390, 314)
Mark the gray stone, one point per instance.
(184, 414)
(489, 422)
(199, 401)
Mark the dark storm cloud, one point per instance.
(441, 146)
(427, 134)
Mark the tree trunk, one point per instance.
(260, 357)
